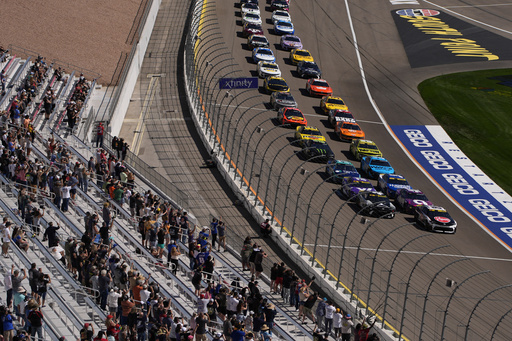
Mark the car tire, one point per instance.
(391, 215)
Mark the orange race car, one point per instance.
(318, 87)
(349, 131)
(292, 116)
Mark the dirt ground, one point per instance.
(90, 35)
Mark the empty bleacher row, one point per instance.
(69, 303)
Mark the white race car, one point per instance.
(263, 54)
(250, 8)
(251, 18)
(279, 15)
(266, 69)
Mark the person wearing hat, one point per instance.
(362, 330)
(336, 323)
(347, 327)
(87, 332)
(320, 312)
(269, 313)
(265, 333)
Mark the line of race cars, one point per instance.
(314, 147)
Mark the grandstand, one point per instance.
(37, 107)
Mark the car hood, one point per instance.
(414, 202)
(346, 173)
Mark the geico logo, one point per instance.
(490, 211)
(436, 159)
(507, 231)
(460, 184)
(417, 138)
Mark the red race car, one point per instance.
(292, 116)
(318, 87)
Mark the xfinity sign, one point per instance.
(239, 83)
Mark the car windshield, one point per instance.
(361, 184)
(415, 196)
(267, 52)
(397, 181)
(252, 15)
(278, 82)
(253, 26)
(320, 83)
(294, 39)
(319, 144)
(251, 6)
(368, 146)
(281, 13)
(436, 213)
(351, 127)
(270, 66)
(335, 101)
(378, 162)
(259, 39)
(345, 168)
(343, 114)
(293, 113)
(378, 198)
(284, 96)
(302, 53)
(284, 23)
(312, 132)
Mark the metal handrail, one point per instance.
(28, 187)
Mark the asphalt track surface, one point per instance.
(325, 31)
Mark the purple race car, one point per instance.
(290, 42)
(351, 186)
(408, 199)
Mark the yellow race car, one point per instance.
(304, 133)
(360, 148)
(272, 84)
(300, 55)
(328, 103)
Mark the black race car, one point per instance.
(309, 70)
(317, 151)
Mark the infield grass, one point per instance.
(476, 111)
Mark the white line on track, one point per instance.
(468, 18)
(416, 253)
(492, 5)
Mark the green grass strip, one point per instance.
(476, 111)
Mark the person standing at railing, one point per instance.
(65, 193)
(6, 238)
(57, 185)
(99, 135)
(50, 234)
(222, 235)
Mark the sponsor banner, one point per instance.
(439, 156)
(432, 37)
(239, 83)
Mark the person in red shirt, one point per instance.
(99, 135)
(362, 331)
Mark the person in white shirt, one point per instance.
(65, 193)
(112, 301)
(337, 323)
(6, 239)
(329, 317)
(145, 294)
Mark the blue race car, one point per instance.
(336, 170)
(390, 183)
(283, 27)
(351, 186)
(373, 166)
